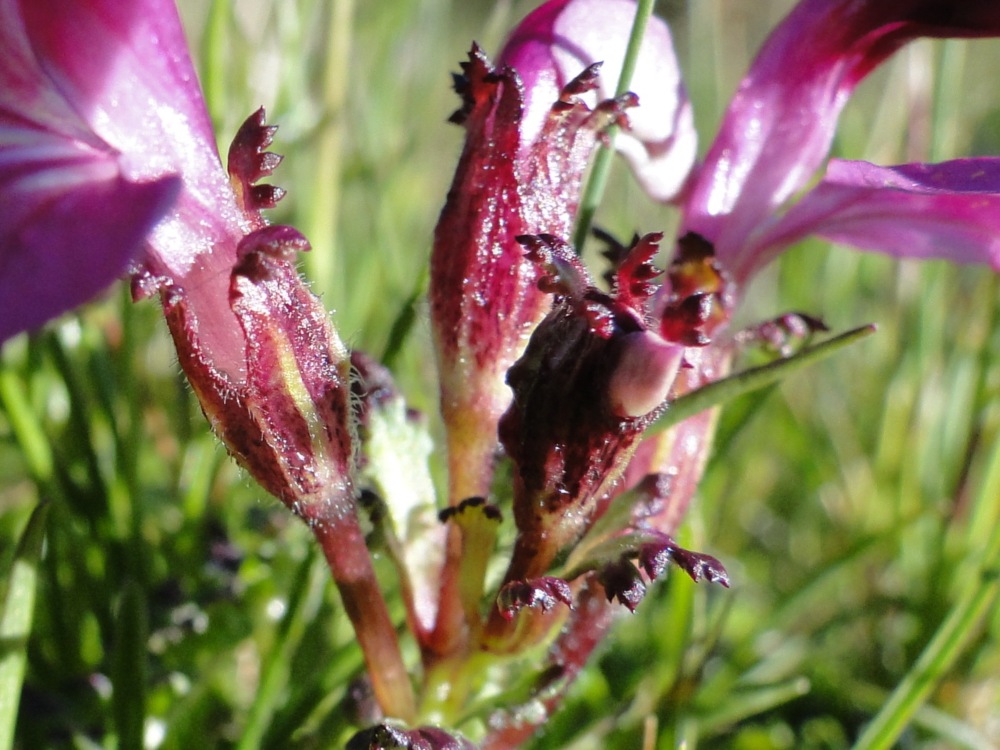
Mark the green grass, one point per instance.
(856, 505)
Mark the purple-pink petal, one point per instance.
(949, 210)
(61, 245)
(124, 69)
(117, 78)
(562, 37)
(72, 218)
(780, 124)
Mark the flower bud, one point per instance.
(511, 180)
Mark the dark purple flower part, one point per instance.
(780, 125)
(656, 554)
(90, 132)
(593, 377)
(621, 581)
(537, 593)
(386, 737)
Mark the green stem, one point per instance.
(15, 621)
(601, 169)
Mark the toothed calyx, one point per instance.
(249, 161)
(537, 593)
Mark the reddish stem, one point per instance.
(343, 544)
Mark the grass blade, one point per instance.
(944, 648)
(753, 379)
(128, 674)
(15, 621)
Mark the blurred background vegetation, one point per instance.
(855, 506)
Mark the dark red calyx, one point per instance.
(538, 593)
(474, 84)
(622, 581)
(632, 283)
(654, 556)
(249, 161)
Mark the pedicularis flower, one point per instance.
(532, 122)
(779, 127)
(600, 366)
(110, 162)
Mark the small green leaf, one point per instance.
(753, 379)
(24, 423)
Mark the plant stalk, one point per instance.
(343, 543)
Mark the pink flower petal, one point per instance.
(71, 221)
(124, 69)
(562, 37)
(61, 245)
(780, 124)
(949, 210)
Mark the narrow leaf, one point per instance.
(15, 621)
(753, 379)
(128, 669)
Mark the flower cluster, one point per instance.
(543, 370)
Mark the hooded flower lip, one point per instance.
(780, 125)
(559, 39)
(74, 209)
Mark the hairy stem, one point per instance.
(343, 545)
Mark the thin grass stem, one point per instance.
(601, 169)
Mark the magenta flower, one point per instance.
(776, 134)
(564, 436)
(79, 191)
(779, 128)
(110, 163)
